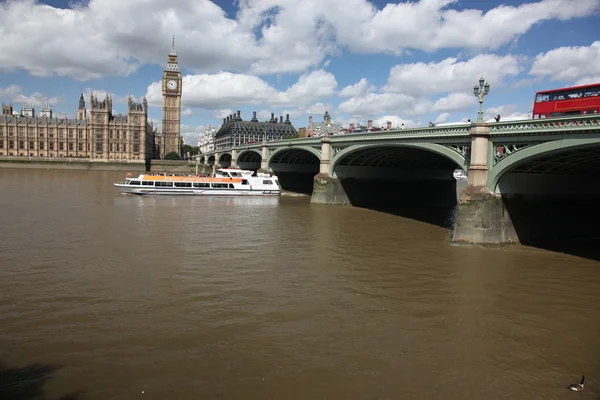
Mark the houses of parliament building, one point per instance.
(96, 133)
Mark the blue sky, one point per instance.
(401, 62)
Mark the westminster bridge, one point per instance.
(527, 180)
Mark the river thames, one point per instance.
(109, 296)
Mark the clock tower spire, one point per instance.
(171, 109)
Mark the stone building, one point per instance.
(324, 128)
(95, 133)
(206, 140)
(169, 140)
(235, 131)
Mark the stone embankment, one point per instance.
(71, 163)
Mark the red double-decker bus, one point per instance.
(574, 100)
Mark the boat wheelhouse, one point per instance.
(225, 182)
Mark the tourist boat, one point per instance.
(459, 175)
(225, 182)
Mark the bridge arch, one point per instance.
(540, 152)
(210, 159)
(296, 167)
(249, 152)
(249, 159)
(438, 149)
(296, 151)
(224, 159)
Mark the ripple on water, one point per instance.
(276, 298)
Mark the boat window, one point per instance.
(201, 184)
(244, 181)
(134, 182)
(183, 184)
(231, 186)
(267, 182)
(219, 185)
(168, 184)
(147, 183)
(235, 174)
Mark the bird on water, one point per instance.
(578, 387)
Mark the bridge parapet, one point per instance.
(425, 133)
(546, 126)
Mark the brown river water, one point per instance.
(109, 296)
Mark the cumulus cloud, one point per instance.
(454, 102)
(358, 89)
(380, 103)
(396, 122)
(223, 113)
(443, 117)
(577, 65)
(263, 37)
(507, 112)
(191, 133)
(226, 89)
(14, 93)
(451, 75)
(116, 99)
(410, 87)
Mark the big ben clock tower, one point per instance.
(171, 110)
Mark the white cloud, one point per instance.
(396, 122)
(443, 117)
(191, 133)
(454, 102)
(507, 112)
(96, 38)
(315, 110)
(358, 89)
(432, 24)
(451, 75)
(578, 64)
(223, 113)
(14, 93)
(227, 89)
(101, 95)
(379, 103)
(186, 113)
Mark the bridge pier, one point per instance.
(482, 217)
(233, 159)
(326, 188)
(264, 158)
(214, 166)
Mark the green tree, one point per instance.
(172, 156)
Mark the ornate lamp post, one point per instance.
(481, 91)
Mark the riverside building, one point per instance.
(96, 133)
(235, 131)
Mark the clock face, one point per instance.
(172, 84)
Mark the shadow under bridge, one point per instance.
(296, 169)
(552, 196)
(406, 181)
(249, 159)
(224, 160)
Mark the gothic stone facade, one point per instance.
(235, 131)
(170, 139)
(101, 136)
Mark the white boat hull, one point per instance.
(173, 191)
